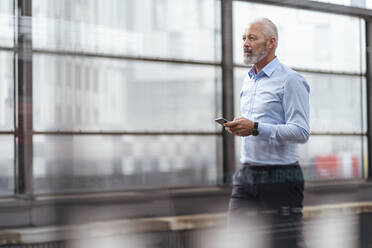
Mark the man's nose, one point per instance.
(246, 43)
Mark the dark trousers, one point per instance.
(265, 208)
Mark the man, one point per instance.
(268, 189)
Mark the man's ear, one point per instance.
(272, 42)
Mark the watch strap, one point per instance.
(255, 129)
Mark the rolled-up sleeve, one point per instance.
(296, 112)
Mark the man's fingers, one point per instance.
(230, 124)
(239, 118)
(228, 130)
(235, 128)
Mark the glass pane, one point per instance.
(161, 28)
(6, 23)
(6, 164)
(369, 4)
(337, 102)
(239, 75)
(307, 39)
(6, 91)
(332, 157)
(100, 163)
(329, 157)
(102, 94)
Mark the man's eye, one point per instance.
(251, 38)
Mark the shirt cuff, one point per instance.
(265, 130)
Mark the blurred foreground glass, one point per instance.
(337, 102)
(6, 164)
(156, 28)
(6, 23)
(103, 94)
(103, 163)
(334, 228)
(6, 91)
(307, 39)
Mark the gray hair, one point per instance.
(269, 29)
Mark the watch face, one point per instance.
(255, 129)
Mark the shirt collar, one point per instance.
(268, 69)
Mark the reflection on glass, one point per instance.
(6, 164)
(101, 94)
(329, 157)
(332, 157)
(337, 102)
(100, 163)
(307, 39)
(6, 23)
(161, 28)
(6, 92)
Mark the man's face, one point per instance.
(254, 44)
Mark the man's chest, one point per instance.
(261, 96)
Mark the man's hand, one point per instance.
(240, 126)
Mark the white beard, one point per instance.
(256, 56)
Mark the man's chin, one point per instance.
(248, 61)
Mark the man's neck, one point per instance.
(262, 63)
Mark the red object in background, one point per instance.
(327, 167)
(355, 166)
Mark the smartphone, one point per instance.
(221, 120)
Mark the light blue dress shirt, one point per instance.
(278, 99)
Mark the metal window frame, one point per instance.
(141, 133)
(327, 72)
(23, 108)
(123, 57)
(368, 33)
(23, 102)
(318, 6)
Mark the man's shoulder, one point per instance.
(290, 73)
(288, 70)
(293, 77)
